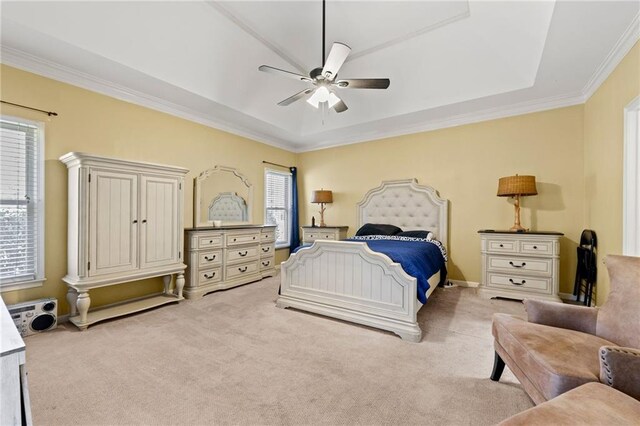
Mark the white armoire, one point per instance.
(125, 224)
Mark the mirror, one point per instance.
(222, 194)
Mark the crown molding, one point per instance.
(27, 62)
(506, 111)
(613, 59)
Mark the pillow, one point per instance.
(416, 234)
(377, 229)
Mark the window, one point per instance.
(277, 202)
(21, 204)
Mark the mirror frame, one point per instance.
(197, 192)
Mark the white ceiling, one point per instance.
(449, 62)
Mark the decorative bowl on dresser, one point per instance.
(312, 233)
(519, 265)
(223, 257)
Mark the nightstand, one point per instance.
(520, 265)
(312, 233)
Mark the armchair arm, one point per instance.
(572, 317)
(620, 369)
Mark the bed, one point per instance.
(349, 281)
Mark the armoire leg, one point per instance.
(83, 304)
(72, 299)
(167, 282)
(179, 285)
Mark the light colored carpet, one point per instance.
(232, 357)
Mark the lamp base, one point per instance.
(518, 228)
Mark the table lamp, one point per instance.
(322, 197)
(517, 186)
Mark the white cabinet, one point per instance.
(229, 256)
(312, 233)
(520, 265)
(125, 224)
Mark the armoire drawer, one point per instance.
(516, 264)
(209, 276)
(242, 253)
(210, 241)
(519, 282)
(268, 262)
(235, 271)
(209, 258)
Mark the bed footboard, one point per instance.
(348, 281)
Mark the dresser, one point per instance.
(520, 265)
(228, 256)
(312, 233)
(125, 223)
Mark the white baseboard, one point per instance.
(461, 283)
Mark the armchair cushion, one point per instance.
(572, 317)
(553, 360)
(620, 369)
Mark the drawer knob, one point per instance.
(266, 263)
(210, 241)
(517, 266)
(515, 283)
(243, 269)
(501, 245)
(207, 276)
(234, 239)
(209, 259)
(243, 254)
(254, 238)
(535, 247)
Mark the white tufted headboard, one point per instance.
(408, 205)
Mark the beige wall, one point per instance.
(98, 124)
(603, 159)
(464, 163)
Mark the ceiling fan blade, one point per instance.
(283, 73)
(364, 83)
(340, 106)
(297, 96)
(337, 56)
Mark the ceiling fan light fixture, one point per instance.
(322, 94)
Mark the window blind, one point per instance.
(20, 202)
(278, 204)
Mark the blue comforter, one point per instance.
(420, 259)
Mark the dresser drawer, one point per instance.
(209, 276)
(267, 250)
(236, 271)
(502, 246)
(242, 253)
(209, 258)
(210, 241)
(515, 264)
(543, 248)
(519, 282)
(239, 239)
(312, 236)
(268, 262)
(267, 236)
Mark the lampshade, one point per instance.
(517, 185)
(322, 196)
(322, 94)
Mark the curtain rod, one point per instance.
(275, 164)
(49, 113)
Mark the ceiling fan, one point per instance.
(324, 78)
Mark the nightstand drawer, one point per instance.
(502, 246)
(243, 253)
(209, 258)
(515, 264)
(536, 247)
(209, 276)
(519, 282)
(312, 236)
(267, 250)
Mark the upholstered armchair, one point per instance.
(561, 346)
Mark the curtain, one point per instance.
(295, 228)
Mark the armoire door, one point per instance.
(113, 227)
(160, 225)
